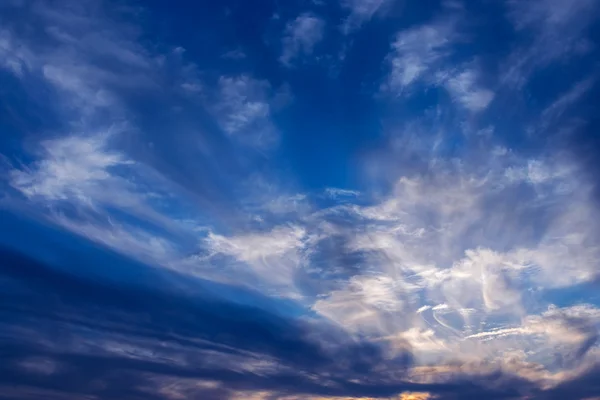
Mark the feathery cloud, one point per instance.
(361, 11)
(301, 36)
(417, 52)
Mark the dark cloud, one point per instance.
(51, 315)
(585, 386)
(68, 336)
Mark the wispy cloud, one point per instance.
(77, 175)
(78, 182)
(416, 52)
(12, 56)
(337, 192)
(273, 258)
(555, 110)
(557, 29)
(455, 258)
(474, 285)
(244, 110)
(79, 42)
(236, 54)
(361, 11)
(464, 88)
(75, 167)
(301, 36)
(140, 244)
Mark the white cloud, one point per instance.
(569, 331)
(242, 103)
(554, 111)
(424, 341)
(442, 306)
(236, 54)
(337, 193)
(286, 204)
(423, 309)
(256, 247)
(137, 243)
(377, 291)
(82, 66)
(72, 167)
(482, 280)
(417, 51)
(87, 177)
(273, 257)
(464, 88)
(193, 87)
(244, 111)
(361, 11)
(545, 15)
(377, 305)
(84, 181)
(448, 259)
(301, 36)
(13, 57)
(345, 309)
(558, 29)
(80, 86)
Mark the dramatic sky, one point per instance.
(299, 199)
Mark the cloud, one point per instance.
(200, 353)
(547, 14)
(75, 173)
(472, 286)
(12, 56)
(274, 257)
(86, 57)
(201, 343)
(244, 111)
(75, 181)
(464, 89)
(415, 396)
(98, 180)
(416, 52)
(361, 11)
(364, 304)
(336, 192)
(88, 176)
(461, 266)
(556, 110)
(466, 285)
(140, 244)
(301, 36)
(236, 54)
(191, 87)
(75, 167)
(78, 83)
(570, 332)
(558, 30)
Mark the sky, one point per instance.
(299, 199)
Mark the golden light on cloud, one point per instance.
(415, 396)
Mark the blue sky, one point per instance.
(299, 199)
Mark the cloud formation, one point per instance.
(417, 51)
(361, 11)
(193, 212)
(301, 36)
(243, 109)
